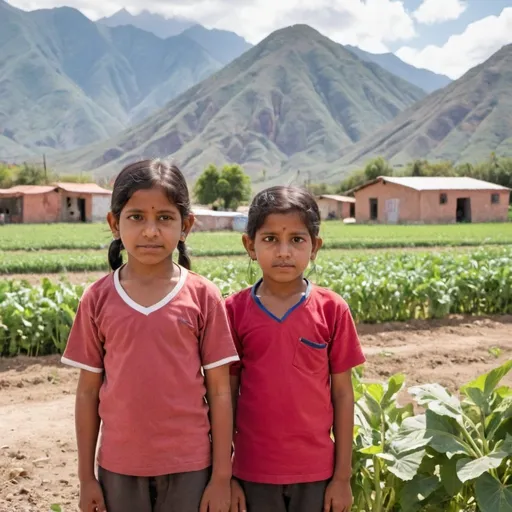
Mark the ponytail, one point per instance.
(184, 258)
(115, 258)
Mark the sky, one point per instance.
(446, 36)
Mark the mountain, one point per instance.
(464, 122)
(222, 45)
(154, 23)
(295, 99)
(66, 82)
(422, 78)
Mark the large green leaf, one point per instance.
(444, 434)
(438, 400)
(404, 465)
(449, 477)
(416, 491)
(411, 435)
(481, 389)
(492, 495)
(394, 385)
(468, 469)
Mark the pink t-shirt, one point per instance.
(152, 401)
(284, 411)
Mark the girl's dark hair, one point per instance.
(144, 175)
(282, 199)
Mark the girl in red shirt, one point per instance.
(152, 341)
(297, 345)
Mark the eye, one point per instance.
(166, 218)
(135, 216)
(269, 238)
(297, 240)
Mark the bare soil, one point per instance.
(38, 461)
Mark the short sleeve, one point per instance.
(236, 367)
(345, 350)
(216, 344)
(84, 348)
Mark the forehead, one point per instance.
(283, 223)
(151, 198)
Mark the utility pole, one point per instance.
(44, 167)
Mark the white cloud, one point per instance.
(369, 24)
(438, 11)
(463, 51)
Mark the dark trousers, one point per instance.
(308, 497)
(181, 492)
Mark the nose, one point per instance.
(150, 230)
(283, 249)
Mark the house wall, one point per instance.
(69, 211)
(482, 209)
(100, 207)
(341, 209)
(212, 223)
(407, 206)
(41, 208)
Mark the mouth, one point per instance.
(283, 265)
(150, 246)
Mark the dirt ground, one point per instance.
(38, 461)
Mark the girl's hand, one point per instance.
(338, 496)
(91, 497)
(216, 496)
(237, 497)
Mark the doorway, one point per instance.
(81, 209)
(374, 208)
(463, 212)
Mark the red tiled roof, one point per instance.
(83, 188)
(21, 190)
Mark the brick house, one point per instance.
(336, 207)
(430, 200)
(62, 202)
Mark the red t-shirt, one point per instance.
(284, 412)
(152, 401)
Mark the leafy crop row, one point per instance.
(378, 288)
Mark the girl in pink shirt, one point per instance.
(153, 344)
(297, 344)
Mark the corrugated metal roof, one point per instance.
(442, 183)
(341, 199)
(83, 188)
(216, 213)
(21, 190)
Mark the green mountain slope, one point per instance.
(67, 82)
(422, 78)
(295, 99)
(463, 122)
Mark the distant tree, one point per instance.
(417, 168)
(7, 176)
(231, 185)
(234, 186)
(377, 167)
(206, 187)
(32, 175)
(356, 179)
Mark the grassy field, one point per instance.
(335, 234)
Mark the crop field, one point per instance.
(336, 235)
(434, 400)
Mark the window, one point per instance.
(443, 198)
(495, 199)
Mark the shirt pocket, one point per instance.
(310, 356)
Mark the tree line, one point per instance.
(28, 174)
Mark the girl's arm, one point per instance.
(87, 422)
(343, 402)
(338, 495)
(221, 414)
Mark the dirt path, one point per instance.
(37, 446)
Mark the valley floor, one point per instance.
(37, 447)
